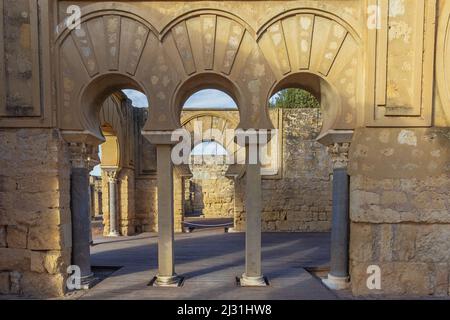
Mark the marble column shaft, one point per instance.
(166, 268)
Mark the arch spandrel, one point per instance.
(111, 50)
(221, 51)
(311, 41)
(214, 125)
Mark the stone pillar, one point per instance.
(113, 207)
(338, 278)
(253, 275)
(166, 268)
(98, 198)
(80, 209)
(92, 197)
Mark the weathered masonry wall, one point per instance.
(35, 222)
(209, 192)
(299, 198)
(400, 210)
(146, 204)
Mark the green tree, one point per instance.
(294, 98)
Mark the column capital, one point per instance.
(112, 174)
(339, 154)
(82, 155)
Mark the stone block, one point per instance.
(442, 283)
(16, 285)
(47, 237)
(14, 259)
(37, 261)
(16, 236)
(393, 198)
(432, 243)
(397, 278)
(43, 285)
(51, 262)
(361, 242)
(2, 236)
(404, 242)
(4, 283)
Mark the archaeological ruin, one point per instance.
(368, 172)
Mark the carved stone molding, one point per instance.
(339, 154)
(112, 174)
(82, 155)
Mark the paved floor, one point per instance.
(210, 260)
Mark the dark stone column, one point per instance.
(80, 210)
(79, 202)
(338, 278)
(340, 224)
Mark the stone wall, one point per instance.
(299, 198)
(210, 192)
(35, 223)
(146, 204)
(400, 210)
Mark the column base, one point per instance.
(246, 281)
(87, 282)
(114, 234)
(336, 283)
(168, 281)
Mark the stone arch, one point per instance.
(325, 93)
(443, 59)
(97, 59)
(113, 124)
(293, 44)
(216, 120)
(206, 80)
(210, 47)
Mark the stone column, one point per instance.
(91, 197)
(113, 208)
(253, 275)
(338, 278)
(98, 198)
(79, 205)
(166, 268)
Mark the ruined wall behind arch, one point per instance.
(298, 199)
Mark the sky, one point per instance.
(97, 171)
(138, 99)
(208, 98)
(209, 148)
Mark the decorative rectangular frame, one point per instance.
(377, 49)
(40, 14)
